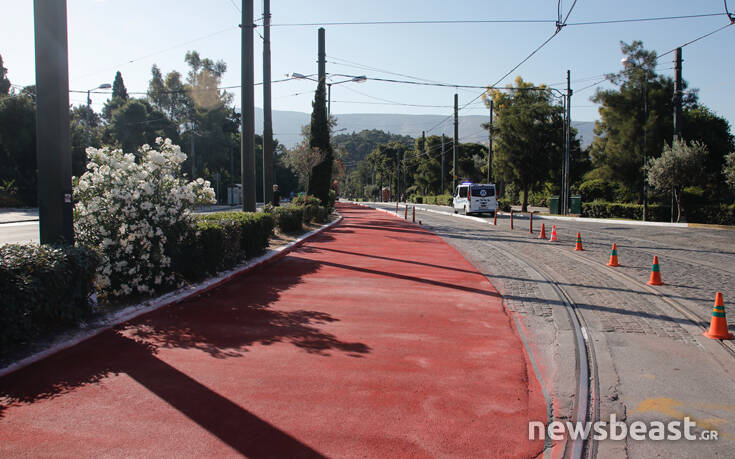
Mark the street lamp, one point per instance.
(353, 79)
(632, 64)
(357, 79)
(89, 104)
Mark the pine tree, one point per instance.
(321, 177)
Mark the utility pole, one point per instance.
(567, 144)
(677, 94)
(677, 110)
(490, 145)
(443, 153)
(454, 144)
(247, 103)
(53, 135)
(267, 114)
(322, 57)
(193, 153)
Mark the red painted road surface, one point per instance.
(374, 338)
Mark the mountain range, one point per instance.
(287, 125)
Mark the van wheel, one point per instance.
(455, 211)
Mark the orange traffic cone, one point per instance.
(578, 245)
(543, 232)
(553, 234)
(613, 256)
(718, 324)
(655, 273)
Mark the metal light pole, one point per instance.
(267, 112)
(53, 135)
(247, 104)
(89, 109)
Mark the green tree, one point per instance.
(679, 165)
(636, 119)
(4, 82)
(700, 123)
(303, 160)
(18, 145)
(528, 136)
(137, 122)
(83, 135)
(118, 99)
(321, 178)
(728, 170)
(118, 87)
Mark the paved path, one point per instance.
(375, 339)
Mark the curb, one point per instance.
(11, 222)
(579, 219)
(131, 312)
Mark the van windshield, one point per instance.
(483, 191)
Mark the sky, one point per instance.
(130, 36)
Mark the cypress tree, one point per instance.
(321, 177)
(118, 87)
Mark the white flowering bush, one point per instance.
(132, 210)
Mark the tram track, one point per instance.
(587, 401)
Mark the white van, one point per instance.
(475, 198)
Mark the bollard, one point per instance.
(413, 218)
(511, 218)
(495, 218)
(396, 207)
(405, 213)
(530, 223)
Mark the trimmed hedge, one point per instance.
(289, 218)
(721, 214)
(43, 289)
(220, 241)
(603, 209)
(439, 199)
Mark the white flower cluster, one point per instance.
(131, 209)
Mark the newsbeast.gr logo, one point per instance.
(619, 430)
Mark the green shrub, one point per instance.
(310, 212)
(289, 218)
(597, 190)
(322, 215)
(43, 289)
(417, 198)
(305, 200)
(504, 204)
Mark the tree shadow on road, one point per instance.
(224, 323)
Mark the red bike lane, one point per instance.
(374, 338)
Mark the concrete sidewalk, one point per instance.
(374, 338)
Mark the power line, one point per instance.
(203, 37)
(662, 18)
(698, 38)
(409, 22)
(235, 5)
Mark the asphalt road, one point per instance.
(651, 361)
(11, 233)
